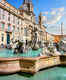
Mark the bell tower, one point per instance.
(30, 5)
(27, 6)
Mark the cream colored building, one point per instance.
(17, 24)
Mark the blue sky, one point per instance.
(54, 11)
(42, 5)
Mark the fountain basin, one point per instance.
(33, 65)
(28, 64)
(9, 65)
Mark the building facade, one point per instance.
(17, 24)
(12, 23)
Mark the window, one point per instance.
(3, 25)
(8, 16)
(3, 15)
(8, 27)
(25, 32)
(13, 31)
(2, 37)
(21, 22)
(13, 28)
(13, 19)
(18, 21)
(18, 28)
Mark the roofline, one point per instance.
(7, 9)
(1, 6)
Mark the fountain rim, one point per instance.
(25, 58)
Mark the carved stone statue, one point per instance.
(35, 45)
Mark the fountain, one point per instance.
(27, 56)
(21, 47)
(35, 45)
(49, 49)
(62, 45)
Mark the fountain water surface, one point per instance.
(10, 53)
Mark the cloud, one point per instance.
(46, 13)
(61, 9)
(54, 16)
(53, 12)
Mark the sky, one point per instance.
(53, 12)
